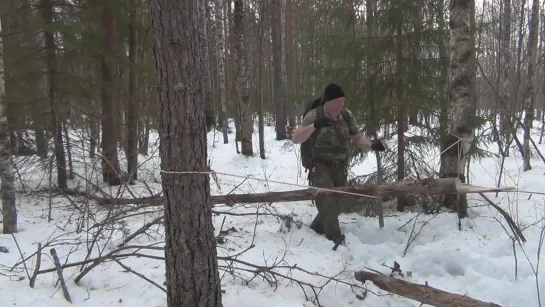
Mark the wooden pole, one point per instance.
(427, 186)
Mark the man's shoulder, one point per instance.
(347, 114)
(309, 117)
(312, 112)
(348, 117)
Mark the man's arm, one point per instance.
(360, 139)
(302, 133)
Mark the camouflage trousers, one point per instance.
(328, 175)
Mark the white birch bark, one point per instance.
(458, 140)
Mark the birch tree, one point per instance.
(458, 140)
(505, 62)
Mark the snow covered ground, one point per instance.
(479, 261)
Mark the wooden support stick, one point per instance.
(37, 268)
(59, 273)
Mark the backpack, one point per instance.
(306, 146)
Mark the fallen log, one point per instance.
(427, 186)
(422, 293)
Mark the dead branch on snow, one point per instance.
(422, 293)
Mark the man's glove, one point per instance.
(376, 145)
(322, 122)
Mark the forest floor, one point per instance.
(480, 260)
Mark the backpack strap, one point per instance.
(320, 111)
(319, 114)
(313, 136)
(345, 115)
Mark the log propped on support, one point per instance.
(427, 186)
(422, 293)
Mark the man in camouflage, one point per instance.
(334, 128)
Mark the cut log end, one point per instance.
(466, 188)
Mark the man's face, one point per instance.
(335, 106)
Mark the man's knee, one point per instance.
(327, 206)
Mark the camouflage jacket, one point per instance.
(331, 143)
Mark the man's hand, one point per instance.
(322, 122)
(377, 145)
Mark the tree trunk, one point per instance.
(373, 123)
(39, 123)
(94, 133)
(513, 105)
(143, 142)
(443, 92)
(541, 113)
(191, 258)
(290, 73)
(110, 162)
(9, 208)
(212, 63)
(260, 86)
(56, 122)
(208, 107)
(472, 82)
(529, 96)
(119, 89)
(145, 120)
(244, 107)
(220, 45)
(40, 88)
(68, 151)
(132, 105)
(278, 90)
(401, 110)
(230, 80)
(459, 139)
(505, 62)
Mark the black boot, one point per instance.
(339, 242)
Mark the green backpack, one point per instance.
(306, 146)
